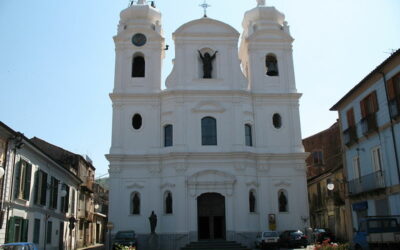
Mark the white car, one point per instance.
(267, 238)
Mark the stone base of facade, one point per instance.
(177, 241)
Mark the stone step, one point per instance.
(214, 245)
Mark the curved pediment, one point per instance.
(209, 107)
(206, 25)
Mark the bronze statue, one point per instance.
(153, 222)
(282, 202)
(207, 63)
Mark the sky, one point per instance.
(57, 60)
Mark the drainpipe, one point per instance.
(391, 125)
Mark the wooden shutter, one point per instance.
(374, 102)
(11, 230)
(36, 188)
(17, 178)
(54, 193)
(27, 185)
(66, 199)
(350, 118)
(24, 230)
(363, 109)
(36, 231)
(43, 190)
(390, 89)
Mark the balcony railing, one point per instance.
(369, 124)
(394, 106)
(350, 135)
(367, 183)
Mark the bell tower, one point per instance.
(139, 47)
(266, 51)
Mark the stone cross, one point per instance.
(205, 6)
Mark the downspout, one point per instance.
(391, 125)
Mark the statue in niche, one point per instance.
(282, 202)
(136, 204)
(252, 202)
(207, 60)
(168, 204)
(153, 222)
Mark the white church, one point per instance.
(218, 153)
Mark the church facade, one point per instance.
(218, 153)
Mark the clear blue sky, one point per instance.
(57, 59)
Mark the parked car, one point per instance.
(125, 239)
(321, 234)
(293, 238)
(377, 232)
(266, 239)
(18, 246)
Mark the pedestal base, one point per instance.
(154, 243)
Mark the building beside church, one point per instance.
(369, 119)
(218, 153)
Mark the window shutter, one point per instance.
(36, 188)
(362, 106)
(55, 193)
(17, 178)
(43, 190)
(24, 234)
(374, 101)
(66, 199)
(350, 118)
(36, 231)
(390, 89)
(27, 186)
(11, 230)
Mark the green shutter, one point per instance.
(36, 231)
(24, 230)
(27, 186)
(36, 188)
(10, 230)
(17, 178)
(43, 189)
(49, 232)
(55, 193)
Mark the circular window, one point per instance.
(137, 121)
(277, 120)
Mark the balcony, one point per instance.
(394, 106)
(88, 184)
(350, 136)
(369, 124)
(367, 183)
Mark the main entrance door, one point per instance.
(211, 216)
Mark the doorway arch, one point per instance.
(211, 216)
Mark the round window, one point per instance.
(137, 121)
(277, 120)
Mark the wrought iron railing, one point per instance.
(350, 135)
(366, 183)
(369, 124)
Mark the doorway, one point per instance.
(211, 216)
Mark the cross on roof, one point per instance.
(205, 5)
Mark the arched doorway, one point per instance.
(211, 216)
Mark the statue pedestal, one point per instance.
(154, 243)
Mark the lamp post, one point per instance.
(110, 227)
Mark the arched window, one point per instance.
(277, 120)
(168, 135)
(248, 136)
(271, 65)
(208, 131)
(168, 202)
(252, 201)
(138, 66)
(136, 203)
(282, 200)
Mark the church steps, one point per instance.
(214, 245)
